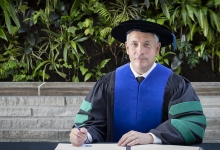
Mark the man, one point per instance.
(162, 108)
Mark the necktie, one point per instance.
(140, 79)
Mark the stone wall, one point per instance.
(37, 118)
(45, 112)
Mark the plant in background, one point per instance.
(11, 67)
(187, 18)
(188, 12)
(52, 57)
(162, 57)
(94, 31)
(110, 15)
(64, 46)
(51, 36)
(9, 14)
(210, 50)
(97, 73)
(121, 11)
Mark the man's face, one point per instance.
(142, 50)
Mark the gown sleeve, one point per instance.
(93, 110)
(183, 120)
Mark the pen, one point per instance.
(77, 126)
(87, 135)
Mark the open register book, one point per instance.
(62, 146)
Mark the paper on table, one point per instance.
(164, 147)
(64, 146)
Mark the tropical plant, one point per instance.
(52, 36)
(9, 14)
(162, 56)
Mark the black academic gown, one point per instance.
(99, 121)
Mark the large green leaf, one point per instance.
(65, 50)
(190, 11)
(147, 3)
(201, 18)
(40, 65)
(14, 30)
(73, 44)
(51, 32)
(57, 51)
(60, 73)
(22, 8)
(75, 79)
(156, 2)
(75, 6)
(12, 13)
(214, 18)
(104, 62)
(87, 22)
(83, 69)
(37, 15)
(211, 36)
(217, 2)
(80, 48)
(7, 19)
(165, 10)
(28, 49)
(210, 3)
(206, 27)
(218, 53)
(87, 76)
(202, 48)
(174, 15)
(135, 3)
(48, 8)
(23, 28)
(31, 39)
(43, 73)
(2, 35)
(72, 30)
(183, 12)
(193, 30)
(81, 39)
(53, 16)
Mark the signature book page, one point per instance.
(64, 146)
(163, 147)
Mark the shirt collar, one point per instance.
(145, 74)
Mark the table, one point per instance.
(53, 145)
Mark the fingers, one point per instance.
(133, 138)
(77, 138)
(83, 130)
(128, 139)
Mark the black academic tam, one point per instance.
(165, 35)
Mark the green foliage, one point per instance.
(162, 57)
(49, 36)
(97, 73)
(192, 60)
(9, 13)
(14, 69)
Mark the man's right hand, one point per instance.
(78, 137)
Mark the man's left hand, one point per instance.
(134, 138)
